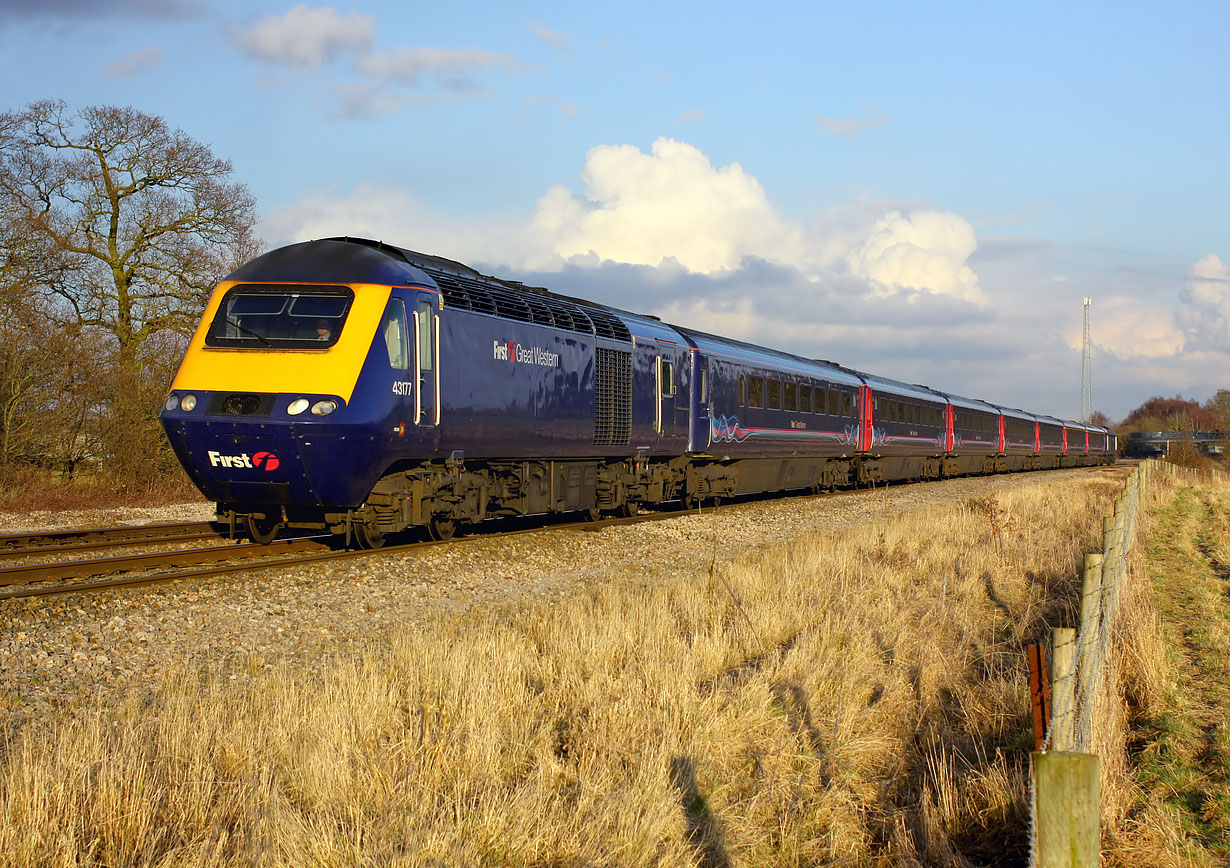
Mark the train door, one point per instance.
(672, 412)
(426, 362)
(866, 420)
(699, 428)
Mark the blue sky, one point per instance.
(923, 191)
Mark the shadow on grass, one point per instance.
(704, 830)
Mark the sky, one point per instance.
(924, 191)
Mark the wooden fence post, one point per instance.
(1066, 809)
(1091, 590)
(1063, 688)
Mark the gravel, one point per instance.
(61, 654)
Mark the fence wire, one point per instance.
(1075, 693)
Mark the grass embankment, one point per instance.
(857, 698)
(1181, 744)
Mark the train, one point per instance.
(348, 386)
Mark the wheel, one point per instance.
(368, 537)
(629, 508)
(592, 514)
(441, 528)
(262, 530)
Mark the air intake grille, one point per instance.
(510, 303)
(613, 388)
(240, 404)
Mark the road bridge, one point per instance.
(1153, 443)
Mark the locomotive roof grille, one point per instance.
(465, 288)
(525, 306)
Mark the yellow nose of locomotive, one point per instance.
(283, 339)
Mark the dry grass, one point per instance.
(32, 489)
(1179, 813)
(855, 699)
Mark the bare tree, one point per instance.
(1219, 406)
(138, 219)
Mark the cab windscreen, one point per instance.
(256, 316)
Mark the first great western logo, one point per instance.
(513, 353)
(260, 461)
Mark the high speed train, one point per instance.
(348, 385)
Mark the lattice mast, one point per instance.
(1086, 372)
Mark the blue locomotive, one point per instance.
(349, 385)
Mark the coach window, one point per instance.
(426, 344)
(830, 402)
(804, 399)
(792, 397)
(395, 334)
(755, 391)
(847, 404)
(668, 377)
(742, 390)
(775, 394)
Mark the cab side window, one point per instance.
(396, 335)
(426, 340)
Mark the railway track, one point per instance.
(225, 558)
(83, 539)
(151, 568)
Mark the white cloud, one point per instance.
(409, 65)
(668, 208)
(558, 41)
(373, 99)
(851, 127)
(388, 213)
(924, 251)
(305, 38)
(1205, 316)
(135, 63)
(669, 204)
(1131, 328)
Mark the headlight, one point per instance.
(297, 406)
(172, 403)
(188, 402)
(324, 408)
